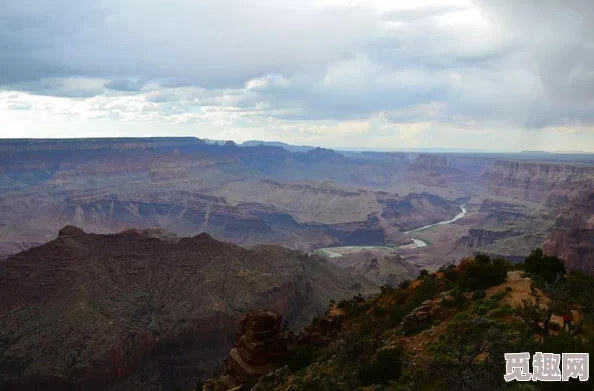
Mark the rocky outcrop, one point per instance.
(132, 311)
(418, 318)
(572, 238)
(260, 347)
(481, 237)
(537, 181)
(382, 266)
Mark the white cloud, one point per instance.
(378, 70)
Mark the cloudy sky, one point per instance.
(491, 75)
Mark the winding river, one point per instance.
(332, 252)
(420, 243)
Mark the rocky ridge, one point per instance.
(88, 311)
(435, 332)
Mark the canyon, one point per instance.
(128, 263)
(187, 187)
(302, 198)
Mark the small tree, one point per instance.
(483, 273)
(533, 313)
(549, 268)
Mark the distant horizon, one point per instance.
(342, 149)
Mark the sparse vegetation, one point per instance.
(457, 344)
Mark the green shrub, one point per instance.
(386, 288)
(366, 325)
(427, 289)
(343, 304)
(396, 316)
(478, 295)
(458, 300)
(302, 356)
(462, 316)
(386, 367)
(449, 272)
(379, 312)
(484, 272)
(404, 284)
(499, 295)
(543, 265)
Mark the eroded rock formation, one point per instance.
(537, 181)
(260, 347)
(572, 238)
(246, 195)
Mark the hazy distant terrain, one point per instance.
(303, 198)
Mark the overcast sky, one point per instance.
(492, 75)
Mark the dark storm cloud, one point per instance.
(209, 44)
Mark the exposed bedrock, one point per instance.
(537, 181)
(572, 238)
(87, 310)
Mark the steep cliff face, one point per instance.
(572, 238)
(86, 311)
(508, 228)
(536, 181)
(481, 237)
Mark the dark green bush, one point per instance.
(478, 295)
(543, 265)
(386, 367)
(396, 316)
(499, 295)
(427, 289)
(344, 304)
(384, 289)
(458, 300)
(462, 316)
(302, 356)
(484, 272)
(379, 312)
